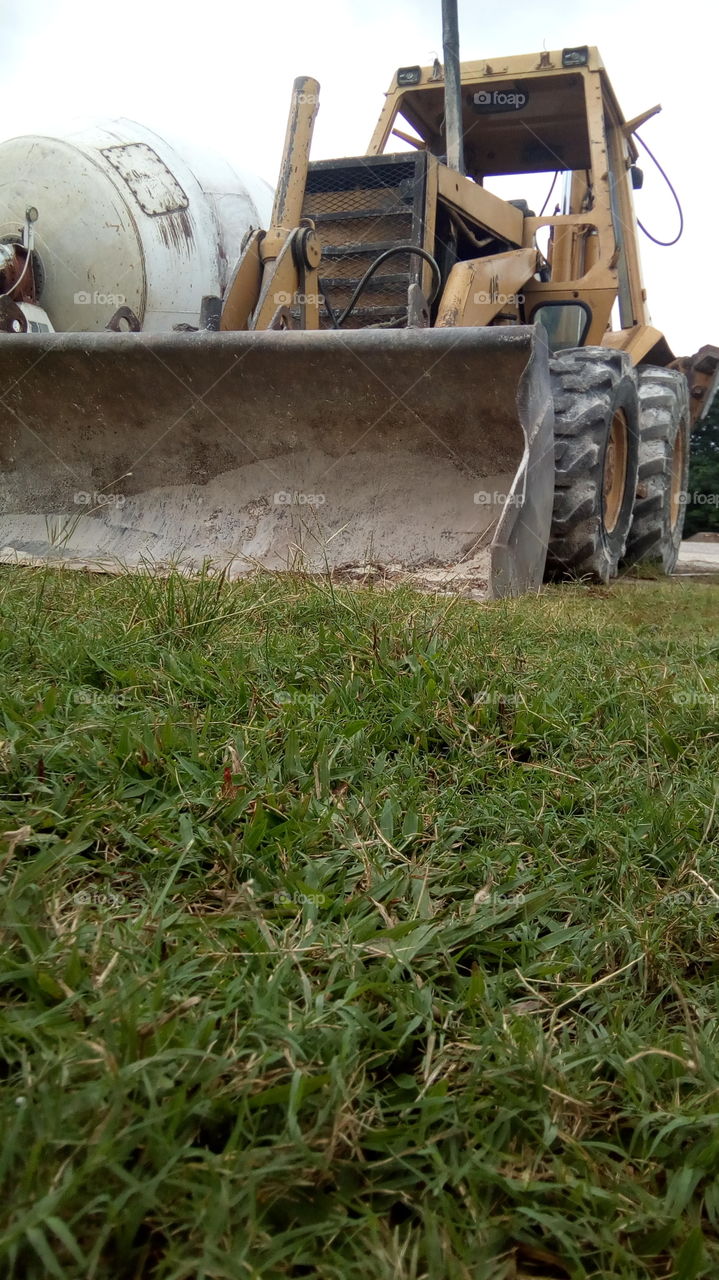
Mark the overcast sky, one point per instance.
(221, 73)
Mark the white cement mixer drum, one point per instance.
(124, 221)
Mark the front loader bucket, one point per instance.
(421, 455)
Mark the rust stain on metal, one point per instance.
(12, 319)
(450, 318)
(176, 231)
(153, 185)
(17, 276)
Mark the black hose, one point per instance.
(338, 321)
(328, 304)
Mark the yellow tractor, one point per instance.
(414, 377)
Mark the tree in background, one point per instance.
(702, 515)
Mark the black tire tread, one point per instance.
(664, 410)
(586, 384)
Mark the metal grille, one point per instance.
(361, 208)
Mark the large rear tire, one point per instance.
(659, 505)
(596, 449)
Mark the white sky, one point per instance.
(221, 74)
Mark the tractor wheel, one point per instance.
(659, 505)
(596, 453)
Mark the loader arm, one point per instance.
(281, 262)
(479, 289)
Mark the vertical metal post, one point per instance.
(289, 195)
(452, 86)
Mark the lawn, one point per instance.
(358, 935)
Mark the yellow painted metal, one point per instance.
(407, 137)
(487, 210)
(480, 289)
(593, 247)
(290, 191)
(560, 252)
(244, 287)
(430, 221)
(527, 65)
(632, 296)
(281, 262)
(594, 253)
(309, 299)
(273, 242)
(599, 301)
(636, 122)
(615, 470)
(280, 283)
(638, 342)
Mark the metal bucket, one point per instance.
(426, 455)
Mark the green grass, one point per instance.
(358, 935)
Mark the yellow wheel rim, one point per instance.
(615, 471)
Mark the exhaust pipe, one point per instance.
(452, 86)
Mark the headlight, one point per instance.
(409, 75)
(575, 57)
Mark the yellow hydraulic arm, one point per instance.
(283, 261)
